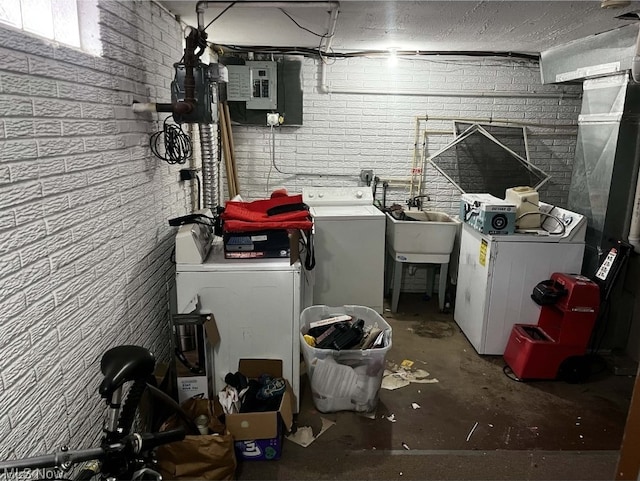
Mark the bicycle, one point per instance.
(122, 454)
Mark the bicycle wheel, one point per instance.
(130, 406)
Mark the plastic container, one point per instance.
(346, 380)
(526, 200)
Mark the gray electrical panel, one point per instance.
(255, 83)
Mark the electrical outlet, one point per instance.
(273, 119)
(187, 174)
(366, 175)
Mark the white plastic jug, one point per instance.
(526, 200)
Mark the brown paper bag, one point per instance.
(208, 456)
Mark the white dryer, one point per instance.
(349, 246)
(256, 304)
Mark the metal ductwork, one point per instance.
(607, 53)
(605, 169)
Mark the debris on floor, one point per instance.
(406, 446)
(392, 381)
(396, 377)
(304, 434)
(367, 414)
(391, 418)
(507, 437)
(472, 430)
(415, 405)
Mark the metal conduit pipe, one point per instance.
(393, 180)
(209, 166)
(490, 120)
(203, 5)
(530, 134)
(634, 227)
(325, 89)
(333, 20)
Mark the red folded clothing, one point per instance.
(242, 226)
(278, 212)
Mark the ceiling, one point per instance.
(505, 26)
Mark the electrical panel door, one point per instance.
(254, 83)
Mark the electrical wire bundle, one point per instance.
(177, 144)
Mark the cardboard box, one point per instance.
(189, 387)
(259, 435)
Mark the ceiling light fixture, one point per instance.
(393, 56)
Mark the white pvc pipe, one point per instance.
(635, 65)
(396, 179)
(325, 89)
(139, 107)
(634, 228)
(333, 20)
(492, 120)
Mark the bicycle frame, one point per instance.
(122, 454)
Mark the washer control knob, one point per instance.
(321, 194)
(310, 195)
(359, 194)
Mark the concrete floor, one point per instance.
(540, 430)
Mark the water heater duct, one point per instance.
(606, 53)
(209, 165)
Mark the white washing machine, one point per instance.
(349, 246)
(497, 273)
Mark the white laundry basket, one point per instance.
(346, 380)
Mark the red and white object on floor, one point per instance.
(563, 330)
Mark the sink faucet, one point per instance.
(416, 201)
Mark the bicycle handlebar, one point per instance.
(134, 443)
(52, 460)
(153, 440)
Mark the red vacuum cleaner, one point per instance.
(556, 346)
(572, 321)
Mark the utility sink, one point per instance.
(430, 232)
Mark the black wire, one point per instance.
(308, 249)
(365, 53)
(208, 224)
(510, 374)
(177, 144)
(310, 259)
(595, 359)
(199, 190)
(301, 27)
(601, 326)
(220, 15)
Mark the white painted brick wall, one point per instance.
(344, 133)
(84, 242)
